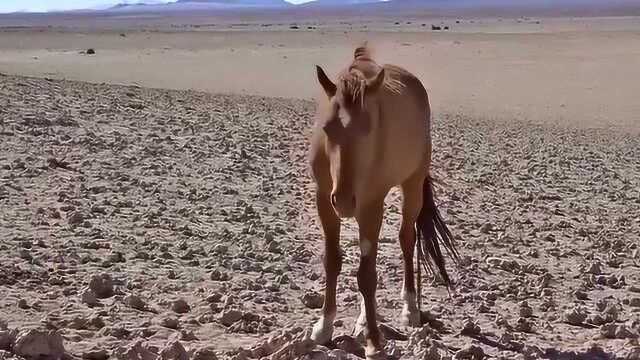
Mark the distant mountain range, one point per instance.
(243, 3)
(240, 2)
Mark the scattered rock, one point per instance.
(525, 310)
(101, 285)
(180, 306)
(88, 297)
(218, 275)
(471, 352)
(135, 351)
(581, 295)
(349, 345)
(230, 317)
(313, 300)
(575, 316)
(95, 354)
(170, 322)
(615, 331)
(36, 343)
(135, 302)
(470, 327)
(22, 304)
(524, 325)
(204, 354)
(390, 333)
(174, 351)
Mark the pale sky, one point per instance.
(45, 5)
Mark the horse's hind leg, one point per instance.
(411, 206)
(323, 329)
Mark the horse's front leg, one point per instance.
(369, 222)
(323, 329)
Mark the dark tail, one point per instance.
(431, 231)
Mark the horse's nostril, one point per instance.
(353, 201)
(333, 200)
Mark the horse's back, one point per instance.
(405, 121)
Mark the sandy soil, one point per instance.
(138, 221)
(547, 70)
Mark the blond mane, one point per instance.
(352, 83)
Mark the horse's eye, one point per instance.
(334, 128)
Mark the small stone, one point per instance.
(135, 351)
(180, 306)
(25, 255)
(274, 247)
(75, 218)
(135, 302)
(486, 228)
(174, 351)
(594, 268)
(204, 354)
(471, 352)
(525, 310)
(220, 249)
(218, 275)
(214, 298)
(95, 354)
(88, 297)
(614, 331)
(230, 317)
(170, 322)
(188, 335)
(581, 295)
(313, 300)
(101, 285)
(575, 316)
(470, 327)
(390, 333)
(634, 302)
(22, 304)
(172, 275)
(349, 345)
(524, 325)
(39, 344)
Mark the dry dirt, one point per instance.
(140, 224)
(560, 71)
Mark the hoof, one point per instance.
(411, 318)
(322, 332)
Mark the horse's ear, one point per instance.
(328, 86)
(374, 84)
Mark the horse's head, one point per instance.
(351, 127)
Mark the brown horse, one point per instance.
(373, 133)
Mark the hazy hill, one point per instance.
(240, 2)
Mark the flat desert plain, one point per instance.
(155, 200)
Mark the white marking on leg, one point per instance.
(323, 329)
(365, 247)
(362, 318)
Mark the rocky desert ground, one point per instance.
(170, 223)
(139, 223)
